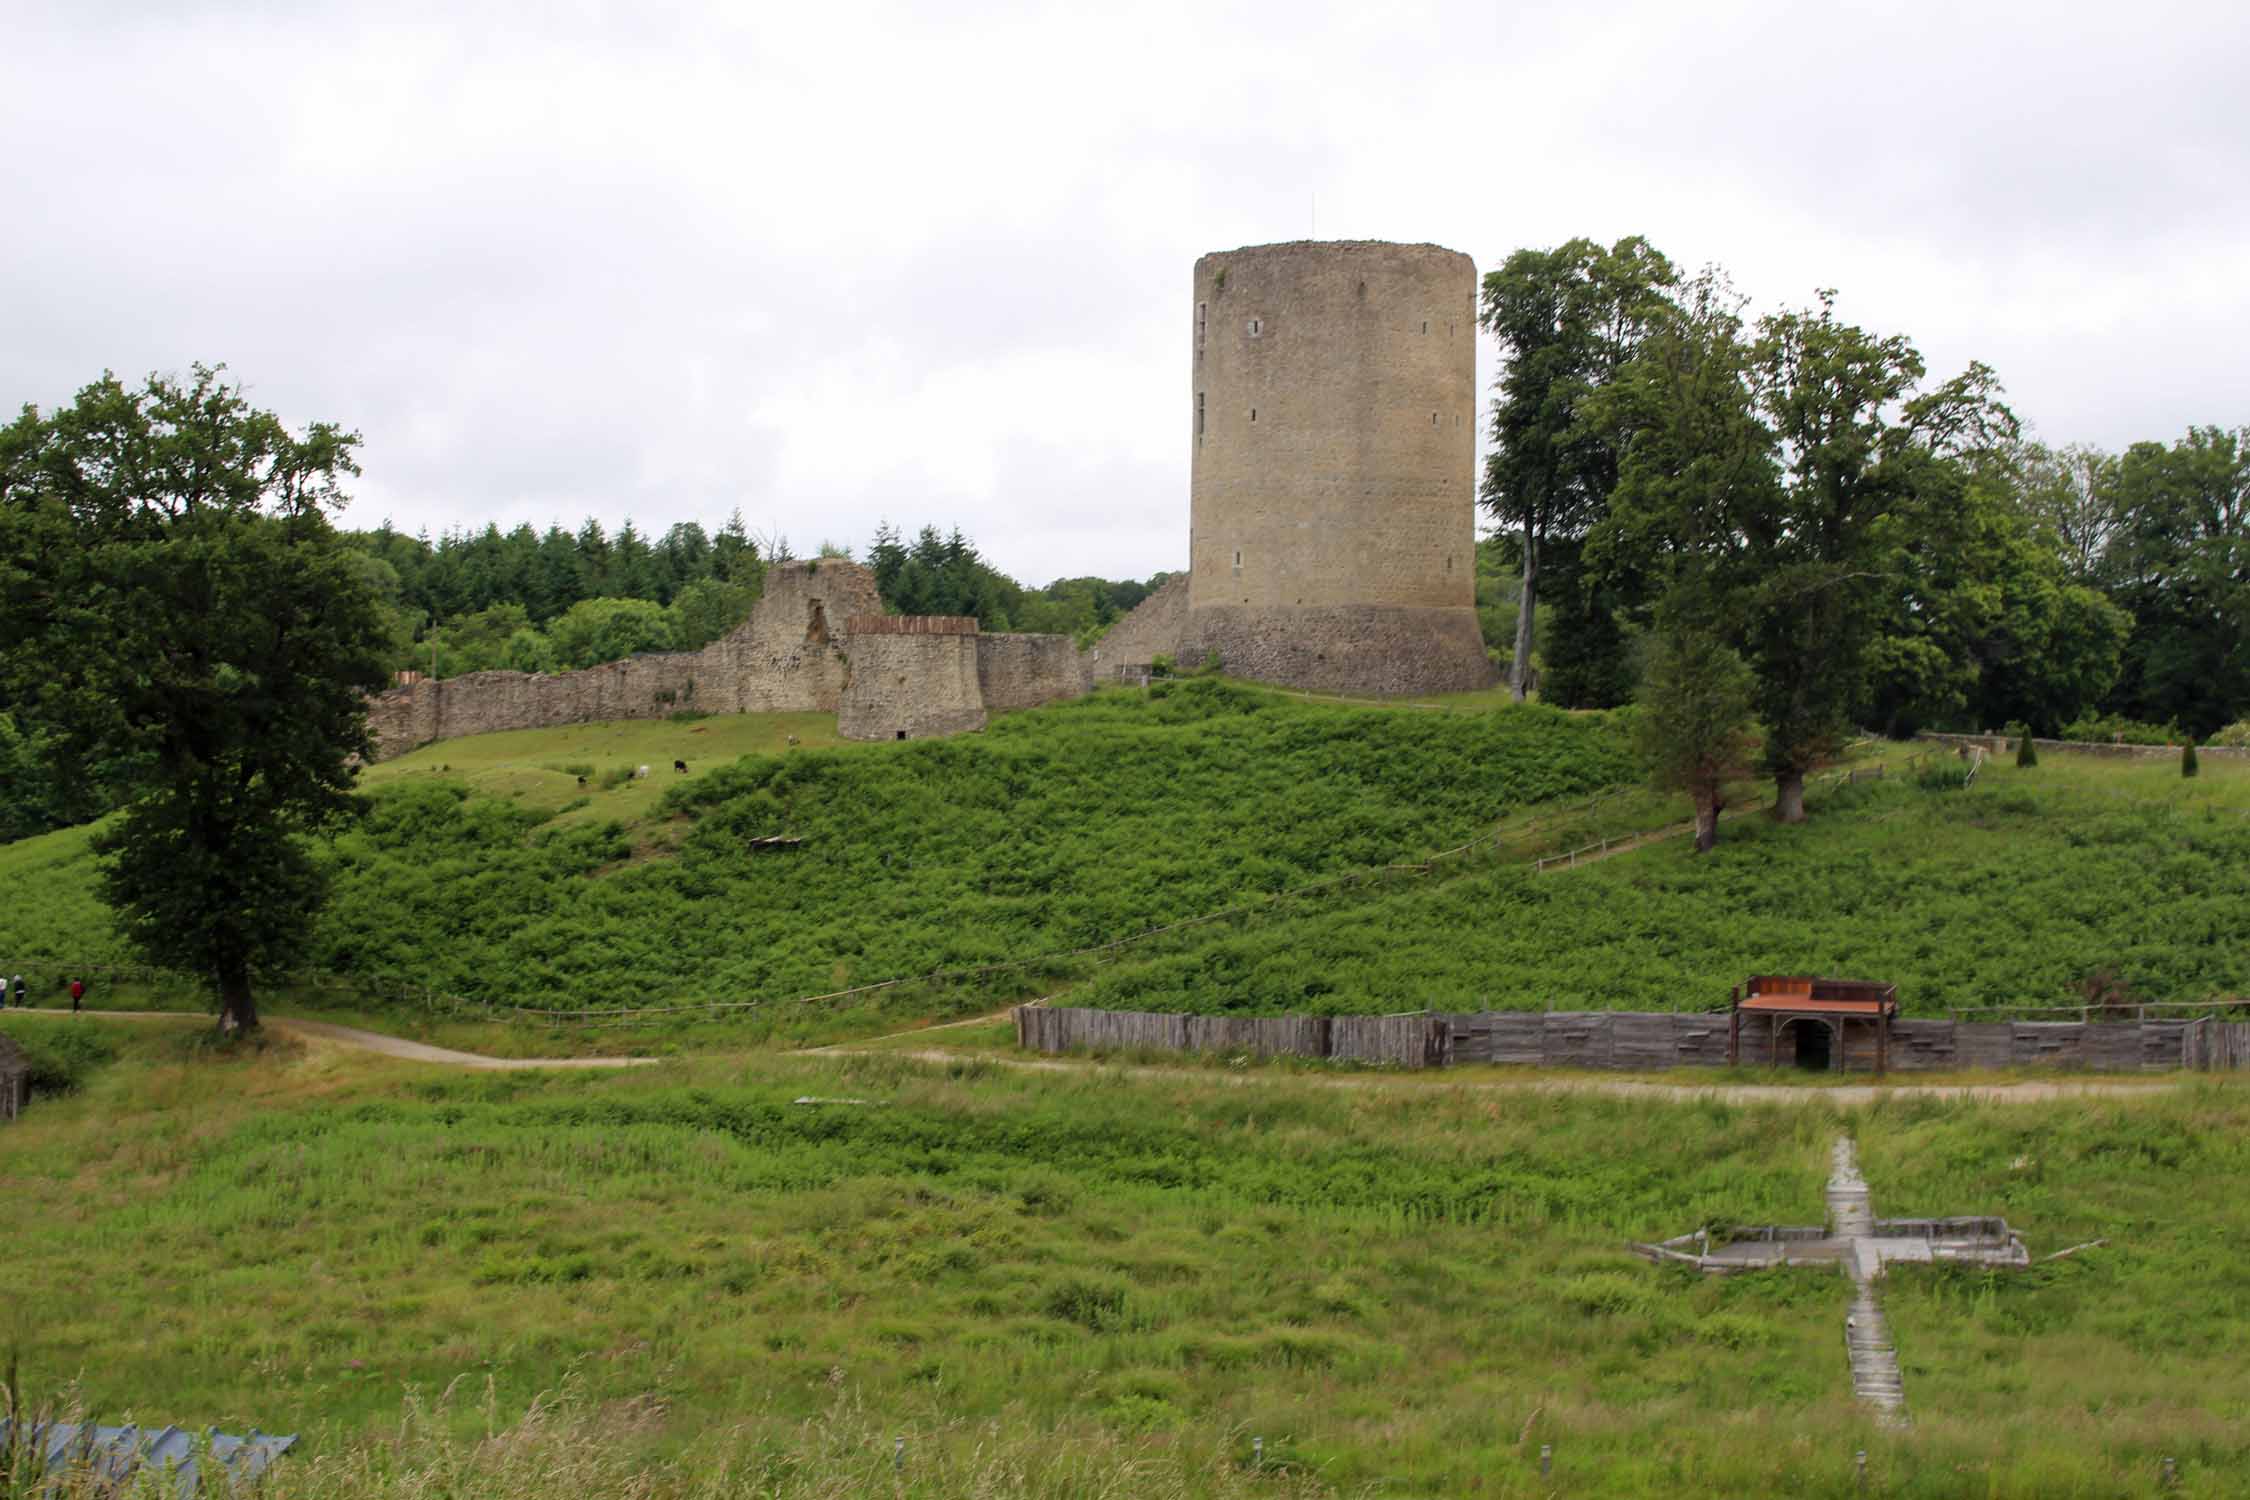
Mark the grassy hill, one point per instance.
(1072, 1286)
(2011, 891)
(484, 870)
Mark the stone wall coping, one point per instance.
(2000, 744)
(911, 625)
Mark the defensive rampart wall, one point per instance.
(816, 642)
(1022, 671)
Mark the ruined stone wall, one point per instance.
(785, 658)
(1155, 628)
(1334, 446)
(1024, 671)
(911, 683)
(642, 687)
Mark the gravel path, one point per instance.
(375, 1041)
(1846, 1096)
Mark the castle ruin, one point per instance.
(1331, 538)
(1332, 535)
(817, 641)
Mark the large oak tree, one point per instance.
(174, 597)
(1789, 470)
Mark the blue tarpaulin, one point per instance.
(117, 1455)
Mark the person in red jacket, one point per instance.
(77, 993)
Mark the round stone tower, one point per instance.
(1332, 542)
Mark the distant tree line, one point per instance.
(522, 600)
(1881, 550)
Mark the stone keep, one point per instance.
(1332, 540)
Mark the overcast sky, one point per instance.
(836, 262)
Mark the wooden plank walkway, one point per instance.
(1867, 1336)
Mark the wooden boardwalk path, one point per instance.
(1867, 1336)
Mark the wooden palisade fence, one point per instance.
(1636, 1041)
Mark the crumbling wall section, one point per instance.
(786, 658)
(1155, 628)
(1024, 671)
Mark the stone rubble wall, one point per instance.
(786, 658)
(911, 686)
(2000, 744)
(1024, 671)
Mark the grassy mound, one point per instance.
(2013, 890)
(1054, 829)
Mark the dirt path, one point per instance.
(374, 1041)
(1843, 1097)
(1847, 1096)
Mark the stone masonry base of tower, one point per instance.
(1343, 648)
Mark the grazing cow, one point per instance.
(641, 774)
(679, 765)
(792, 739)
(581, 781)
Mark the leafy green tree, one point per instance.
(2071, 494)
(2180, 562)
(174, 596)
(707, 609)
(1695, 730)
(2187, 759)
(2027, 755)
(1568, 320)
(1794, 471)
(599, 630)
(476, 642)
(529, 651)
(1982, 622)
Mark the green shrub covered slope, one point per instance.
(1054, 829)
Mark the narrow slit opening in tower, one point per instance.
(816, 626)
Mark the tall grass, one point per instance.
(2011, 891)
(1066, 1284)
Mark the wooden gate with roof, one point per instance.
(1849, 1010)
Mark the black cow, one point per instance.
(679, 765)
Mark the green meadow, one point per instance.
(1093, 1283)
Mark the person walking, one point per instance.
(77, 993)
(23, 997)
